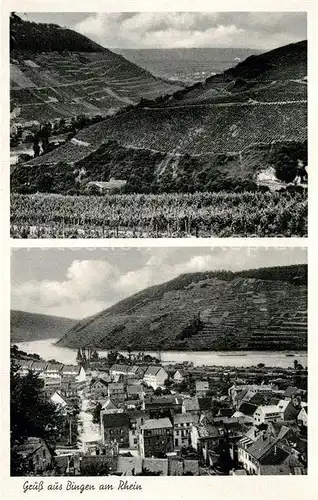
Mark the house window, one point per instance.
(135, 441)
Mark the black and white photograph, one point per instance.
(158, 124)
(159, 361)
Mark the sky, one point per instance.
(79, 282)
(259, 30)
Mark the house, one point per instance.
(182, 423)
(269, 413)
(155, 376)
(128, 371)
(68, 388)
(115, 429)
(302, 416)
(116, 390)
(191, 405)
(135, 392)
(252, 397)
(156, 438)
(51, 386)
(106, 186)
(235, 390)
(25, 365)
(201, 388)
(39, 368)
(267, 451)
(59, 401)
(288, 410)
(78, 372)
(98, 388)
(53, 370)
(35, 455)
(137, 418)
(111, 407)
(179, 376)
(118, 369)
(205, 439)
(162, 406)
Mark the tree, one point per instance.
(96, 413)
(94, 355)
(286, 160)
(112, 357)
(31, 414)
(79, 358)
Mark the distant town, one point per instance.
(131, 415)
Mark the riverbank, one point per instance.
(47, 349)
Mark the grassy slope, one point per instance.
(156, 316)
(27, 326)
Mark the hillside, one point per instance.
(27, 326)
(263, 309)
(226, 130)
(58, 73)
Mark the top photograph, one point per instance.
(158, 124)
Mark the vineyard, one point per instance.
(67, 85)
(56, 72)
(201, 130)
(254, 214)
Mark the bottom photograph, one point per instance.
(159, 361)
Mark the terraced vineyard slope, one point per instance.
(58, 73)
(264, 309)
(232, 124)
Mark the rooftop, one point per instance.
(157, 423)
(153, 370)
(115, 420)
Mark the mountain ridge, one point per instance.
(58, 73)
(178, 314)
(26, 326)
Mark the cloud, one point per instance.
(82, 293)
(194, 29)
(90, 285)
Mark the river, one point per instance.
(47, 350)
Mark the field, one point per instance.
(254, 214)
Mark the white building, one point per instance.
(182, 425)
(268, 413)
(155, 376)
(78, 372)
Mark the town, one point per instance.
(131, 415)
